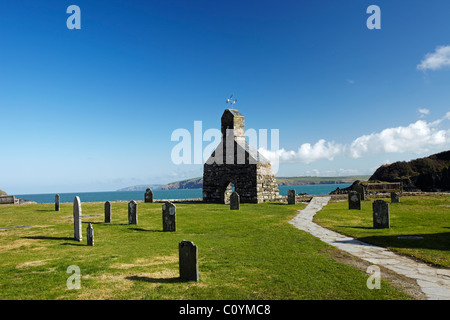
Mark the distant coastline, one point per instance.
(197, 183)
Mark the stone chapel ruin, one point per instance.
(235, 162)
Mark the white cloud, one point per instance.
(436, 60)
(418, 137)
(423, 112)
(307, 153)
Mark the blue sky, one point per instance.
(94, 109)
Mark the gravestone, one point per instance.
(132, 212)
(354, 200)
(148, 197)
(291, 196)
(234, 201)
(380, 214)
(77, 218)
(90, 235)
(107, 211)
(57, 202)
(188, 260)
(395, 197)
(169, 216)
(361, 190)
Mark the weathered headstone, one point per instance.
(188, 260)
(361, 190)
(354, 200)
(169, 216)
(395, 197)
(148, 197)
(132, 212)
(57, 202)
(380, 214)
(235, 200)
(90, 235)
(291, 196)
(107, 211)
(77, 218)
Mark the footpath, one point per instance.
(434, 282)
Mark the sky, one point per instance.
(95, 108)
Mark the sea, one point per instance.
(178, 194)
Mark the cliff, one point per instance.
(194, 183)
(429, 174)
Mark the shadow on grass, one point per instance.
(47, 238)
(155, 280)
(78, 244)
(46, 210)
(56, 238)
(353, 227)
(433, 241)
(146, 230)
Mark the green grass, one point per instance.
(427, 217)
(253, 253)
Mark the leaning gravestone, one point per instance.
(77, 218)
(148, 197)
(90, 235)
(107, 211)
(235, 200)
(395, 197)
(188, 260)
(380, 214)
(354, 200)
(169, 216)
(132, 212)
(291, 196)
(57, 202)
(360, 189)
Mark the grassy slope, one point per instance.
(250, 254)
(428, 217)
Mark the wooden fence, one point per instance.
(385, 187)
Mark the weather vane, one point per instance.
(231, 101)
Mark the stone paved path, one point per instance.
(434, 282)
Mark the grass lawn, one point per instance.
(253, 253)
(427, 217)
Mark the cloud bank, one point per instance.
(417, 137)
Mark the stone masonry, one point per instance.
(236, 162)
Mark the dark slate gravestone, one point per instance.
(188, 261)
(291, 196)
(107, 211)
(169, 216)
(380, 214)
(395, 197)
(354, 200)
(148, 197)
(361, 190)
(132, 212)
(90, 235)
(77, 218)
(234, 201)
(57, 202)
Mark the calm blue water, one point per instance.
(163, 194)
